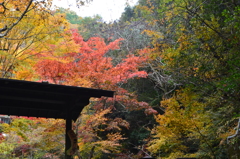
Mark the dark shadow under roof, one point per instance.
(33, 99)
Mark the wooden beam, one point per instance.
(67, 139)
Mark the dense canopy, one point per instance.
(174, 66)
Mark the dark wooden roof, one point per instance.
(33, 99)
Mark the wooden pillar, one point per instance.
(67, 139)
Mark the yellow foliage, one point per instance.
(28, 37)
(184, 116)
(91, 125)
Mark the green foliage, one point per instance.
(198, 47)
(31, 137)
(90, 26)
(71, 16)
(6, 150)
(128, 14)
(192, 51)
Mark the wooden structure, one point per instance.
(33, 99)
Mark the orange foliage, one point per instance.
(89, 66)
(90, 61)
(86, 64)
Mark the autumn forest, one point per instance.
(174, 66)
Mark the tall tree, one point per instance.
(196, 48)
(33, 29)
(87, 65)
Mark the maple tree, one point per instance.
(65, 58)
(86, 64)
(34, 27)
(190, 54)
(99, 134)
(10, 10)
(90, 63)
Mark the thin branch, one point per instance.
(19, 19)
(236, 133)
(4, 8)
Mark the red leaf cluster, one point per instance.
(91, 67)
